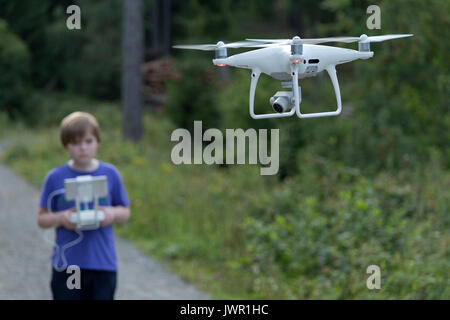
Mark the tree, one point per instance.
(133, 56)
(161, 21)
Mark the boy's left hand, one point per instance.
(109, 216)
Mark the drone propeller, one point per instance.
(297, 43)
(260, 43)
(362, 39)
(218, 45)
(304, 41)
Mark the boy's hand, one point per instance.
(109, 216)
(64, 219)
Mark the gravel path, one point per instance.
(25, 255)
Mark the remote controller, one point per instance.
(87, 219)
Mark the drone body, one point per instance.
(275, 61)
(289, 60)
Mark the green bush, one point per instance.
(86, 61)
(401, 94)
(92, 62)
(193, 97)
(323, 238)
(14, 70)
(309, 236)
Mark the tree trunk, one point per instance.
(154, 39)
(132, 58)
(167, 6)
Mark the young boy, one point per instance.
(95, 254)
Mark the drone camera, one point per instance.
(280, 105)
(282, 101)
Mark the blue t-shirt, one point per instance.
(97, 250)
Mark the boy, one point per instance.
(95, 254)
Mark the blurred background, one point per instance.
(368, 187)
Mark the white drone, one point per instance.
(289, 60)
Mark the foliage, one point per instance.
(14, 61)
(405, 111)
(311, 236)
(192, 98)
(92, 61)
(324, 239)
(85, 61)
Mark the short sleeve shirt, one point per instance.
(96, 250)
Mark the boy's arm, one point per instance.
(58, 219)
(47, 220)
(116, 214)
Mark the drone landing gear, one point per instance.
(297, 97)
(255, 77)
(332, 73)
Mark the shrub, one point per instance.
(14, 70)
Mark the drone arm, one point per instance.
(332, 73)
(255, 76)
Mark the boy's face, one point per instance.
(83, 150)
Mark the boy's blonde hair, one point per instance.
(76, 125)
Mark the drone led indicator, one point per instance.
(296, 61)
(221, 65)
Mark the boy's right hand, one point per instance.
(64, 219)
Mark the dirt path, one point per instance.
(25, 256)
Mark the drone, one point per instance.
(289, 60)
